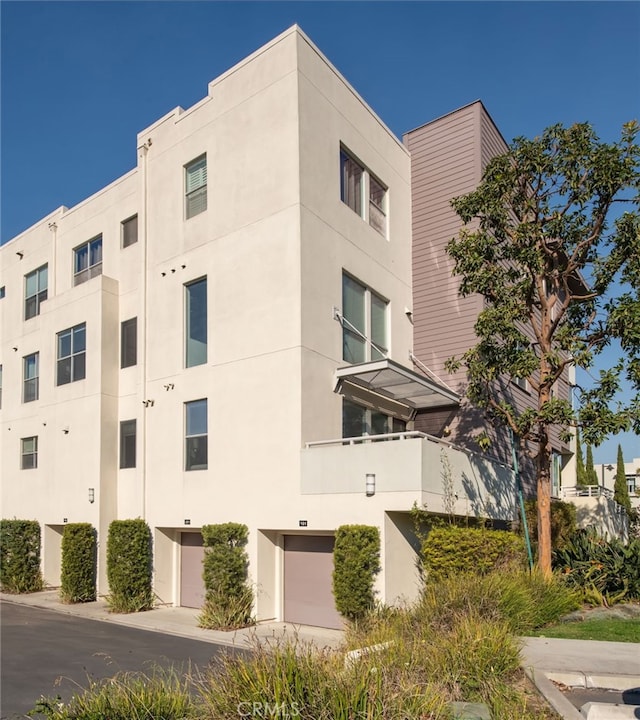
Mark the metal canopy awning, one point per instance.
(398, 383)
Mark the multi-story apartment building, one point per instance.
(193, 344)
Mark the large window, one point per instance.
(358, 184)
(196, 435)
(71, 355)
(129, 231)
(87, 260)
(128, 444)
(35, 291)
(364, 323)
(29, 453)
(196, 323)
(129, 343)
(30, 377)
(358, 420)
(195, 187)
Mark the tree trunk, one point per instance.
(544, 503)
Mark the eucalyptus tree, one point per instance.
(551, 240)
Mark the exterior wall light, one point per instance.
(92, 495)
(370, 484)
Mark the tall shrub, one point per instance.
(581, 473)
(620, 488)
(590, 471)
(20, 556)
(563, 522)
(356, 560)
(450, 550)
(129, 566)
(79, 563)
(229, 599)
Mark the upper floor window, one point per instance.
(35, 291)
(129, 231)
(196, 323)
(29, 452)
(128, 444)
(30, 377)
(87, 260)
(129, 342)
(71, 355)
(364, 323)
(196, 435)
(363, 192)
(195, 186)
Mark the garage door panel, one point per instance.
(308, 569)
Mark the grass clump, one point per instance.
(610, 629)
(163, 695)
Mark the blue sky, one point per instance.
(80, 79)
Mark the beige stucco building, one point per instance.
(192, 344)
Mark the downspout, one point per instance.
(523, 514)
(144, 226)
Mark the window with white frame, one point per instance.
(35, 291)
(129, 231)
(30, 377)
(87, 260)
(358, 421)
(29, 453)
(364, 322)
(128, 444)
(71, 355)
(357, 183)
(196, 437)
(195, 175)
(195, 322)
(556, 473)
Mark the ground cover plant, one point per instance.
(609, 629)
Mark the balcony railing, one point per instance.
(362, 439)
(586, 491)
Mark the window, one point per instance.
(364, 323)
(71, 354)
(358, 420)
(2, 292)
(129, 342)
(196, 323)
(29, 453)
(357, 183)
(129, 231)
(35, 291)
(30, 377)
(87, 260)
(196, 435)
(196, 187)
(556, 473)
(128, 444)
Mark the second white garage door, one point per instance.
(308, 594)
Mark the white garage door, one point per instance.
(191, 583)
(308, 594)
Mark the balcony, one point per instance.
(591, 491)
(445, 478)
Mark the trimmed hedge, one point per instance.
(356, 560)
(563, 522)
(79, 563)
(229, 599)
(450, 549)
(129, 566)
(20, 556)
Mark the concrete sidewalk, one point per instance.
(183, 622)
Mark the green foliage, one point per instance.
(129, 566)
(537, 224)
(606, 571)
(127, 696)
(79, 563)
(581, 473)
(356, 560)
(449, 549)
(20, 556)
(604, 629)
(229, 599)
(563, 522)
(621, 490)
(590, 472)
